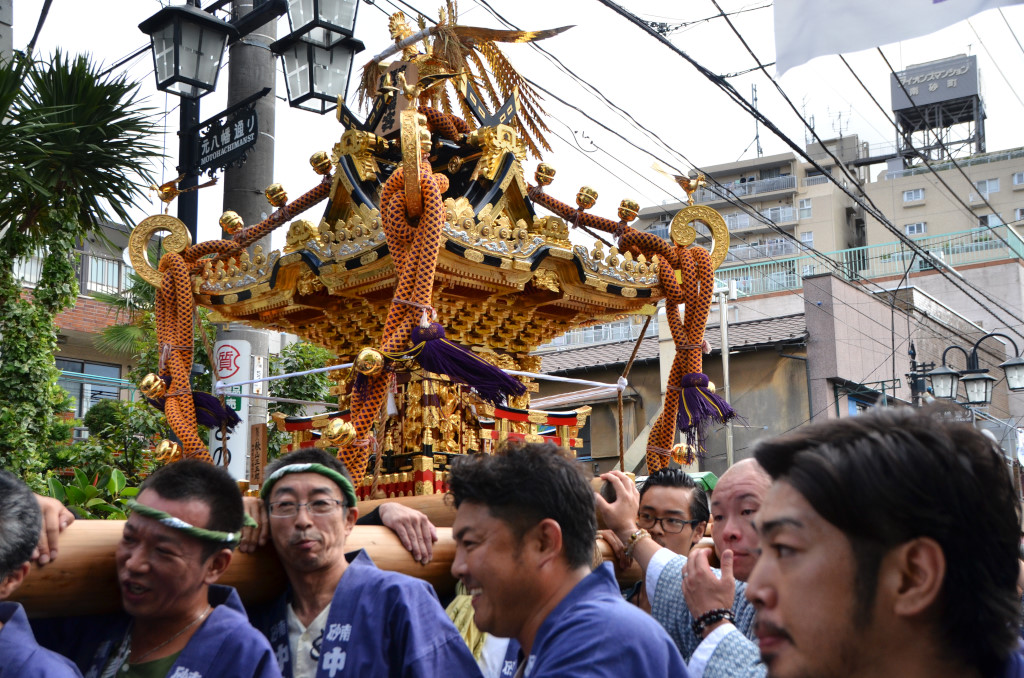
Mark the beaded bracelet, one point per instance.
(711, 617)
(633, 540)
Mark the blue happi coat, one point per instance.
(380, 624)
(20, 654)
(593, 632)
(225, 646)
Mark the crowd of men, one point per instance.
(883, 545)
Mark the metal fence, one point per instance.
(954, 249)
(738, 190)
(620, 330)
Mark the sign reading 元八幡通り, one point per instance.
(225, 141)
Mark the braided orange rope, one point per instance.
(175, 313)
(695, 291)
(414, 249)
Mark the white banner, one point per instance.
(233, 362)
(805, 29)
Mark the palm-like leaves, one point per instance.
(69, 138)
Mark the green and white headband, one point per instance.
(344, 483)
(229, 539)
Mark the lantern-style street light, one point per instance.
(977, 381)
(318, 53)
(188, 45)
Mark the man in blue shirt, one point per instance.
(20, 525)
(525, 533)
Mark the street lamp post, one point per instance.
(977, 381)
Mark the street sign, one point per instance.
(233, 362)
(225, 141)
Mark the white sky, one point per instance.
(653, 84)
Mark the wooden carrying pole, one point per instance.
(83, 579)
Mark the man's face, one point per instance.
(307, 541)
(488, 560)
(803, 589)
(670, 503)
(160, 570)
(736, 499)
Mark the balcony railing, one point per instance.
(95, 272)
(964, 162)
(748, 252)
(620, 330)
(727, 192)
(890, 259)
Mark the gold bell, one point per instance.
(369, 362)
(586, 197)
(628, 210)
(684, 454)
(153, 386)
(276, 195)
(168, 451)
(545, 174)
(231, 222)
(339, 432)
(320, 162)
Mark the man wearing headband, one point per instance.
(178, 623)
(341, 616)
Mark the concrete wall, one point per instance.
(767, 390)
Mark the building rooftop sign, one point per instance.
(935, 82)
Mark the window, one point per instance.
(913, 195)
(918, 228)
(806, 270)
(990, 221)
(1018, 179)
(771, 173)
(1018, 214)
(86, 391)
(986, 186)
(805, 208)
(807, 239)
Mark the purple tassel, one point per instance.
(209, 412)
(441, 356)
(699, 408)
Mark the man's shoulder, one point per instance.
(232, 628)
(21, 655)
(371, 578)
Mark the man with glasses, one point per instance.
(674, 511)
(341, 616)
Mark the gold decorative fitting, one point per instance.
(339, 432)
(683, 233)
(320, 162)
(138, 243)
(168, 451)
(231, 222)
(153, 386)
(586, 197)
(299, 233)
(369, 362)
(628, 210)
(544, 175)
(711, 386)
(276, 195)
(360, 146)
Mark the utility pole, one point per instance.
(6, 31)
(723, 310)
(250, 69)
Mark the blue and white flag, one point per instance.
(805, 29)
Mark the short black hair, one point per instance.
(895, 474)
(311, 456)
(523, 484)
(210, 484)
(20, 523)
(675, 477)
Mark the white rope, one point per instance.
(620, 386)
(222, 385)
(283, 400)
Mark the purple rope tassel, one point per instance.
(699, 408)
(209, 412)
(441, 356)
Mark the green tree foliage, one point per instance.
(298, 357)
(74, 147)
